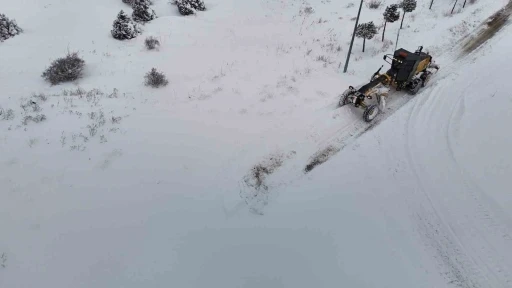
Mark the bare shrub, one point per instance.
(35, 119)
(65, 69)
(114, 94)
(3, 260)
(42, 97)
(7, 114)
(98, 121)
(155, 79)
(385, 45)
(31, 106)
(374, 4)
(257, 194)
(151, 43)
(32, 142)
(309, 10)
(460, 29)
(323, 58)
(80, 92)
(116, 120)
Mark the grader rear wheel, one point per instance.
(416, 88)
(344, 100)
(426, 79)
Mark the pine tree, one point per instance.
(8, 28)
(391, 14)
(124, 27)
(187, 7)
(133, 2)
(142, 12)
(366, 31)
(407, 6)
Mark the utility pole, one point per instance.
(454, 6)
(397, 35)
(353, 36)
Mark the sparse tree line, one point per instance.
(124, 27)
(392, 14)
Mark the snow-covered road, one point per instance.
(446, 158)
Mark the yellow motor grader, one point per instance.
(409, 72)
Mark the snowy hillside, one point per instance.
(242, 171)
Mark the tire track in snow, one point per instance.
(485, 220)
(454, 240)
(436, 232)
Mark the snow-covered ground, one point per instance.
(127, 186)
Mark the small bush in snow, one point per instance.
(374, 4)
(7, 114)
(8, 28)
(151, 43)
(124, 27)
(155, 79)
(187, 7)
(142, 12)
(65, 69)
(366, 31)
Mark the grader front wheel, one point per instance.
(344, 100)
(370, 113)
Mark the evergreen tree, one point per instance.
(366, 31)
(187, 7)
(124, 27)
(8, 28)
(142, 12)
(391, 14)
(133, 2)
(407, 6)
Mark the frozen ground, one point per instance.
(128, 186)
